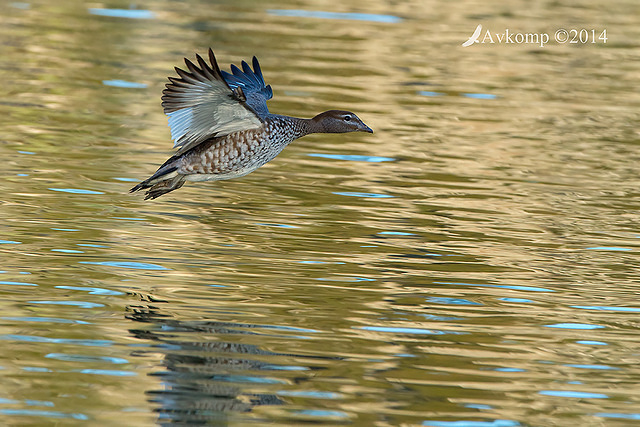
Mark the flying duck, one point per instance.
(222, 127)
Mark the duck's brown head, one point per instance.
(339, 121)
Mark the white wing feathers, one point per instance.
(201, 105)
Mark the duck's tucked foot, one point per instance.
(158, 187)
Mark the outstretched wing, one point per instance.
(201, 105)
(252, 84)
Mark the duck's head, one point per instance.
(338, 121)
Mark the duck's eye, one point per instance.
(347, 118)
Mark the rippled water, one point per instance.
(474, 262)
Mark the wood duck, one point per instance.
(223, 128)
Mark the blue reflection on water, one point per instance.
(31, 402)
(396, 233)
(82, 304)
(477, 406)
(466, 95)
(366, 195)
(517, 300)
(604, 367)
(34, 338)
(434, 317)
(480, 95)
(107, 372)
(509, 370)
(67, 251)
(573, 394)
(345, 279)
(92, 291)
(36, 369)
(122, 13)
(128, 264)
(45, 319)
(605, 308)
(286, 328)
(514, 287)
(49, 414)
(27, 402)
(430, 93)
(618, 415)
(8, 242)
(591, 342)
(17, 283)
(85, 358)
(456, 301)
(322, 413)
(608, 248)
(574, 326)
(268, 224)
(318, 262)
(387, 19)
(285, 368)
(75, 191)
(469, 423)
(312, 394)
(124, 84)
(353, 157)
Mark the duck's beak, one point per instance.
(364, 128)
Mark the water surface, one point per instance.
(472, 263)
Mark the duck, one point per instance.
(222, 127)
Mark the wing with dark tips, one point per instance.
(252, 84)
(201, 104)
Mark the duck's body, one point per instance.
(223, 126)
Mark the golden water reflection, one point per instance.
(472, 260)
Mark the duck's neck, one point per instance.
(297, 126)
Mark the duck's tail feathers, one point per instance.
(161, 182)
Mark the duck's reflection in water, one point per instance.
(205, 379)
